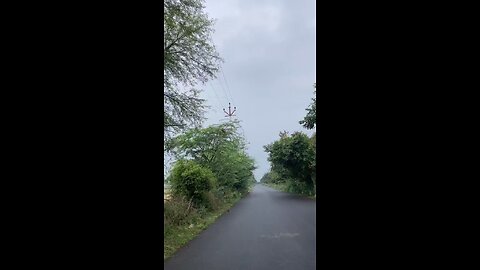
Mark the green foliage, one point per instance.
(292, 161)
(310, 119)
(293, 154)
(222, 150)
(273, 177)
(212, 168)
(206, 145)
(300, 188)
(212, 171)
(193, 181)
(234, 171)
(189, 58)
(181, 110)
(182, 221)
(313, 142)
(252, 179)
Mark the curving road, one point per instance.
(266, 230)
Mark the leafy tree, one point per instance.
(181, 110)
(310, 119)
(235, 170)
(205, 145)
(189, 58)
(219, 148)
(293, 158)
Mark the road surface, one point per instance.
(266, 230)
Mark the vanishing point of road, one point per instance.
(267, 229)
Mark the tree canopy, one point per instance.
(189, 58)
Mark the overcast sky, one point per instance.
(269, 51)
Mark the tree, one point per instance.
(293, 158)
(189, 58)
(219, 148)
(310, 119)
(206, 145)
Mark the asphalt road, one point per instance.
(266, 230)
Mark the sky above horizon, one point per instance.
(268, 47)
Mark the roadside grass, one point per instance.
(182, 224)
(284, 188)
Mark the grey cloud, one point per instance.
(269, 53)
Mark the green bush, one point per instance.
(193, 181)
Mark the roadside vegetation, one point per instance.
(211, 170)
(211, 173)
(183, 222)
(293, 159)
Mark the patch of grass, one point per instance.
(181, 226)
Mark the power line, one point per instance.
(219, 102)
(216, 96)
(228, 95)
(226, 83)
(223, 89)
(231, 96)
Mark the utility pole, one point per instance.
(229, 113)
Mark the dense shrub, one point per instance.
(193, 181)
